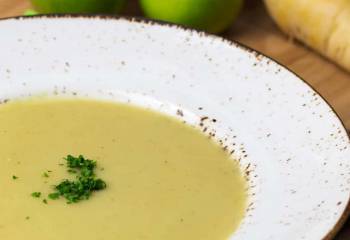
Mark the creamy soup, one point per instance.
(165, 180)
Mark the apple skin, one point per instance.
(78, 6)
(213, 16)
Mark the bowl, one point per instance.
(291, 146)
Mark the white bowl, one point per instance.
(291, 145)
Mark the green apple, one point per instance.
(30, 12)
(210, 15)
(78, 6)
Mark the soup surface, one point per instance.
(165, 180)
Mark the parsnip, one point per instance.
(321, 24)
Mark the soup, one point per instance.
(164, 179)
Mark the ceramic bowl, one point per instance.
(289, 142)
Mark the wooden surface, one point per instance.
(255, 29)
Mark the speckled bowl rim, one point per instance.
(346, 213)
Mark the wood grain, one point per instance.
(255, 29)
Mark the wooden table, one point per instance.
(255, 29)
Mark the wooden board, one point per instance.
(255, 29)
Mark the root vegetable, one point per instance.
(324, 25)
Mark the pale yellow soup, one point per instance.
(165, 179)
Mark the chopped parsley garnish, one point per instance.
(85, 183)
(14, 177)
(54, 196)
(45, 174)
(36, 194)
(27, 217)
(85, 166)
(82, 187)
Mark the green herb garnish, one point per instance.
(36, 194)
(82, 187)
(14, 177)
(85, 166)
(85, 183)
(27, 217)
(54, 196)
